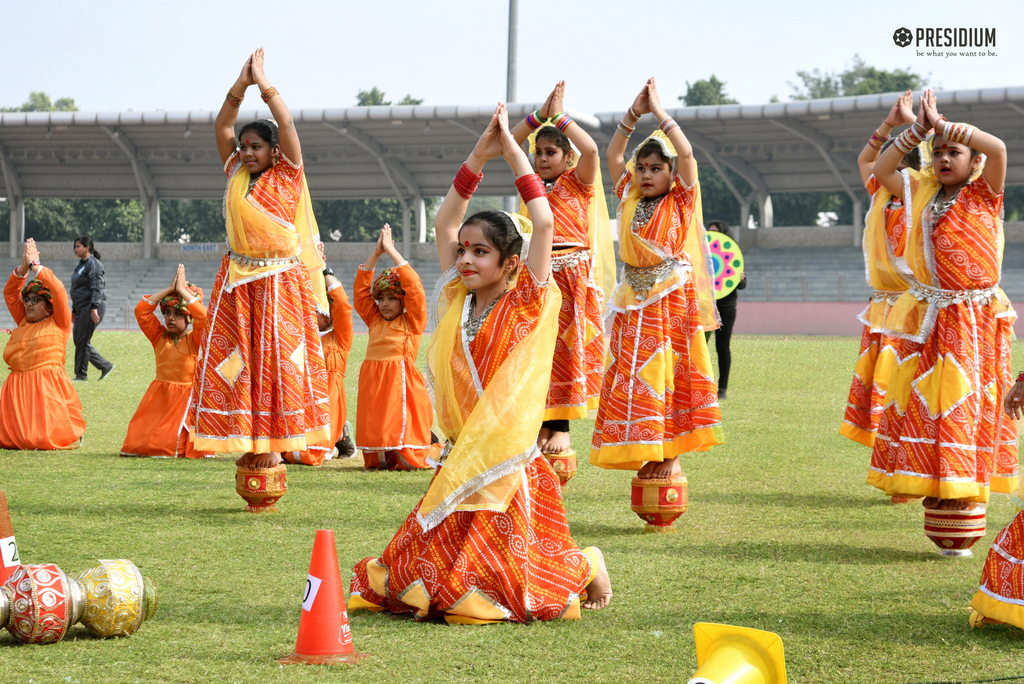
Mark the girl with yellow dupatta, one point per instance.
(659, 398)
(261, 385)
(950, 444)
(582, 263)
(489, 541)
(884, 242)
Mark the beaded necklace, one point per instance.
(644, 211)
(471, 326)
(941, 206)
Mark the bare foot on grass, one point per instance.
(654, 470)
(557, 444)
(268, 460)
(542, 438)
(934, 503)
(599, 591)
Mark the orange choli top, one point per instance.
(35, 346)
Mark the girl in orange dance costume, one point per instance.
(336, 339)
(489, 541)
(158, 427)
(39, 409)
(393, 416)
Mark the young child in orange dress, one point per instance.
(39, 409)
(158, 428)
(336, 340)
(394, 415)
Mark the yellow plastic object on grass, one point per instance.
(737, 655)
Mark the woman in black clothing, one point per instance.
(88, 304)
(727, 310)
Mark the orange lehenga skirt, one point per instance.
(41, 411)
(158, 427)
(261, 384)
(520, 566)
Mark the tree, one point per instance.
(708, 91)
(192, 221)
(38, 101)
(375, 97)
(859, 79)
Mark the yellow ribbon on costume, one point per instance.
(494, 432)
(636, 251)
(270, 242)
(599, 229)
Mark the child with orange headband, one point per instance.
(39, 409)
(394, 414)
(158, 428)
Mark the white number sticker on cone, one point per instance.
(312, 587)
(9, 550)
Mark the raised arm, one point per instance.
(686, 165)
(285, 124)
(387, 243)
(965, 134)
(533, 121)
(902, 112)
(448, 218)
(616, 153)
(590, 156)
(224, 126)
(341, 312)
(12, 291)
(885, 169)
(531, 188)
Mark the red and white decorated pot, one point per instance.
(660, 501)
(39, 603)
(261, 487)
(564, 465)
(955, 532)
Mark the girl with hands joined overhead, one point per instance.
(393, 414)
(261, 385)
(493, 510)
(957, 313)
(158, 427)
(39, 408)
(659, 398)
(582, 262)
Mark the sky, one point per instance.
(111, 55)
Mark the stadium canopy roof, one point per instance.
(411, 152)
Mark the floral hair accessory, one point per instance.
(37, 288)
(387, 281)
(174, 300)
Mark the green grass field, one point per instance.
(782, 535)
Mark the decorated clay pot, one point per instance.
(118, 598)
(564, 465)
(261, 487)
(955, 532)
(39, 603)
(660, 501)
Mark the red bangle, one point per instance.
(530, 187)
(466, 181)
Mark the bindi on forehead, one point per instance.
(467, 243)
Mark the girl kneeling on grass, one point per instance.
(158, 427)
(489, 540)
(39, 409)
(393, 416)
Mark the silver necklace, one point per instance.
(471, 326)
(941, 206)
(644, 211)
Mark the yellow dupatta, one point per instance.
(883, 270)
(269, 241)
(599, 231)
(493, 429)
(636, 251)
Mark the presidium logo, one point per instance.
(948, 38)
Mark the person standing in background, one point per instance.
(88, 305)
(727, 310)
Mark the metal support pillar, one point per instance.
(421, 218)
(406, 228)
(749, 236)
(764, 205)
(858, 221)
(513, 21)
(17, 236)
(150, 227)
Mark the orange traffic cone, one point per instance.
(324, 635)
(8, 547)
